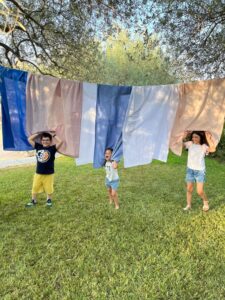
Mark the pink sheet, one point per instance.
(55, 104)
(201, 107)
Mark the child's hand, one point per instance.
(186, 133)
(52, 132)
(114, 165)
(208, 135)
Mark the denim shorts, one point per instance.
(195, 175)
(114, 184)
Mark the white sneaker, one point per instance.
(187, 208)
(205, 208)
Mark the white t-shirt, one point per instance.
(196, 155)
(111, 173)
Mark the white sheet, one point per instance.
(87, 137)
(148, 124)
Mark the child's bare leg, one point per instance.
(190, 187)
(115, 198)
(110, 195)
(49, 196)
(201, 193)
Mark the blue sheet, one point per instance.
(13, 94)
(112, 104)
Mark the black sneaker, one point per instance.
(49, 203)
(31, 204)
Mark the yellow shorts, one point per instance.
(43, 183)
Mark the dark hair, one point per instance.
(46, 135)
(201, 134)
(110, 149)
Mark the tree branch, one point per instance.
(24, 12)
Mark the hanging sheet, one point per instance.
(201, 108)
(148, 124)
(13, 93)
(87, 138)
(112, 103)
(55, 104)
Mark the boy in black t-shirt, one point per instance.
(44, 176)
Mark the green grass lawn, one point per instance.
(82, 248)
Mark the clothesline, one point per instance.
(140, 123)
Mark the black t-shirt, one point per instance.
(45, 159)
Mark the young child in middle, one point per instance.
(112, 177)
(199, 145)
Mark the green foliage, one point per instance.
(82, 248)
(194, 31)
(135, 61)
(83, 40)
(121, 60)
(9, 19)
(220, 151)
(45, 29)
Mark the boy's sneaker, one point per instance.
(31, 204)
(49, 203)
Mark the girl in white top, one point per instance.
(112, 178)
(197, 150)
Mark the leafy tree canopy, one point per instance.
(51, 31)
(194, 31)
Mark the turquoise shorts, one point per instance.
(114, 184)
(195, 175)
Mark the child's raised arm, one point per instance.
(58, 141)
(32, 138)
(115, 165)
(186, 133)
(210, 142)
